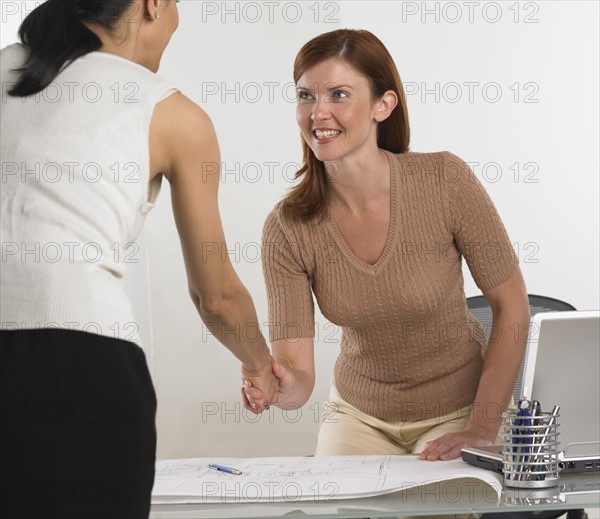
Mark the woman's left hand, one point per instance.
(448, 447)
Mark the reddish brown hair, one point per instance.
(368, 56)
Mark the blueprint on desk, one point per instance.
(320, 479)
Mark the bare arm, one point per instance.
(186, 152)
(510, 309)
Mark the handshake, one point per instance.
(281, 383)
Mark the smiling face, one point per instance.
(336, 111)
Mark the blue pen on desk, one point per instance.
(222, 468)
(534, 411)
(527, 413)
(522, 419)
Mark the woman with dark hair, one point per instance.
(378, 233)
(88, 132)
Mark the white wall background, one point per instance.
(511, 87)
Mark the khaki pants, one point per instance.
(347, 431)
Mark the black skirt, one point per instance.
(77, 426)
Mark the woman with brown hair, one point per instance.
(378, 233)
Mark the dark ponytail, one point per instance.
(55, 35)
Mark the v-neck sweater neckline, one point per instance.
(355, 261)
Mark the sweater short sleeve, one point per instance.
(478, 231)
(291, 309)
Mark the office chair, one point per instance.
(480, 308)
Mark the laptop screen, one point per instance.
(562, 367)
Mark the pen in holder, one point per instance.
(530, 449)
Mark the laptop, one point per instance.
(562, 367)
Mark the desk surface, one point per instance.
(574, 491)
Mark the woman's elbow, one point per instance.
(220, 307)
(213, 310)
(209, 308)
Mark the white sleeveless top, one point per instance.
(74, 193)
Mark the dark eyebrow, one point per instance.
(329, 89)
(338, 87)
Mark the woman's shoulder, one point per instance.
(186, 125)
(443, 166)
(427, 157)
(286, 217)
(282, 221)
(185, 111)
(277, 220)
(275, 232)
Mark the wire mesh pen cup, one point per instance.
(530, 450)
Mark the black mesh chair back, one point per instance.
(480, 308)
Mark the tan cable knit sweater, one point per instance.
(410, 350)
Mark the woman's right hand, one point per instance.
(265, 385)
(254, 392)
